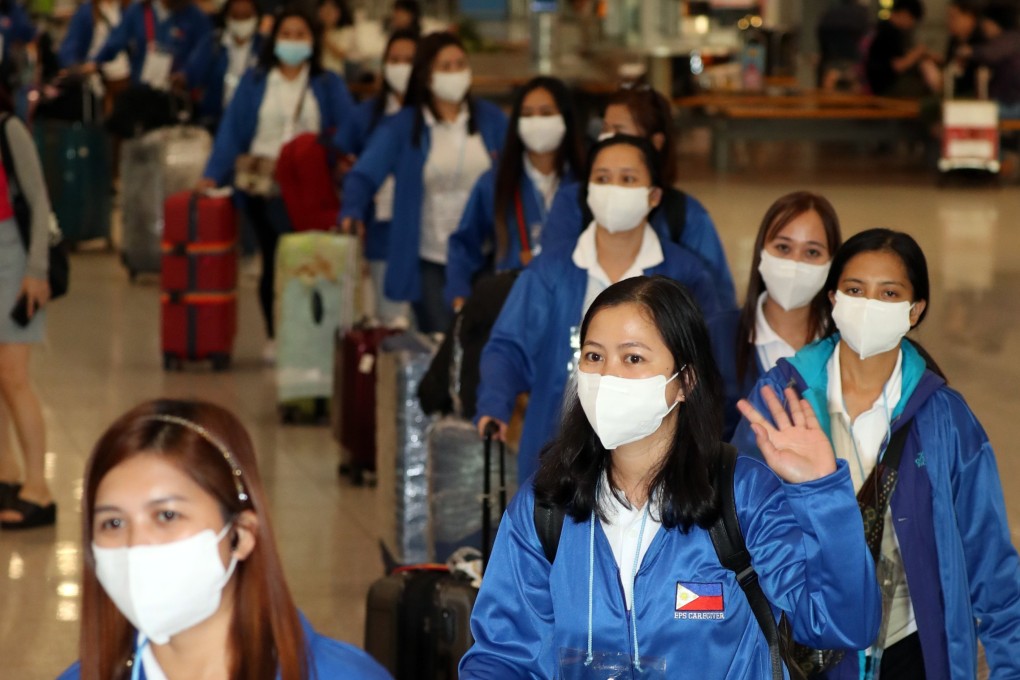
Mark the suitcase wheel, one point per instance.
(220, 362)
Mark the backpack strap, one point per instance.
(731, 549)
(676, 214)
(549, 526)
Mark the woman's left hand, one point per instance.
(37, 291)
(796, 447)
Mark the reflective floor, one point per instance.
(102, 357)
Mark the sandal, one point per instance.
(8, 494)
(32, 515)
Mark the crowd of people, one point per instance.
(865, 488)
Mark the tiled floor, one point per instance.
(103, 357)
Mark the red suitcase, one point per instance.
(354, 388)
(199, 279)
(198, 326)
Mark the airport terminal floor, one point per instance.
(102, 357)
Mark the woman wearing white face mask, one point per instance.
(397, 63)
(923, 467)
(533, 345)
(630, 584)
(218, 63)
(784, 308)
(436, 148)
(509, 204)
(286, 95)
(181, 575)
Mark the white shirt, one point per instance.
(586, 257)
(545, 184)
(860, 443)
(767, 343)
(384, 196)
(622, 527)
(456, 160)
(239, 59)
(119, 68)
(277, 125)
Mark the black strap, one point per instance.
(894, 450)
(549, 525)
(728, 540)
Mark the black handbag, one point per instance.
(59, 265)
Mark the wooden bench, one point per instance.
(807, 116)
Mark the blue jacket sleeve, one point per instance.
(22, 28)
(117, 41)
(518, 336)
(743, 437)
(74, 48)
(376, 162)
(199, 65)
(464, 250)
(807, 546)
(231, 141)
(993, 568)
(563, 223)
(350, 134)
(513, 615)
(701, 237)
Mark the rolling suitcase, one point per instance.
(317, 278)
(418, 619)
(401, 452)
(354, 376)
(157, 165)
(970, 129)
(199, 279)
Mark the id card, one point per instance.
(156, 69)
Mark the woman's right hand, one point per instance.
(349, 225)
(205, 184)
(485, 422)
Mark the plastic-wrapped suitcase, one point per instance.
(401, 451)
(354, 375)
(317, 280)
(199, 257)
(75, 158)
(157, 165)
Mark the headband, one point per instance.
(216, 443)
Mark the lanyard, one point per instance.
(150, 24)
(522, 229)
(633, 579)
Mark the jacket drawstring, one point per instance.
(633, 595)
(591, 586)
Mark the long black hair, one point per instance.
(346, 17)
(419, 91)
(511, 164)
(903, 246)
(268, 59)
(786, 209)
(572, 465)
(652, 113)
(648, 154)
(379, 103)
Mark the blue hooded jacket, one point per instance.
(206, 69)
(477, 229)
(241, 120)
(15, 27)
(722, 330)
(566, 222)
(949, 514)
(807, 546)
(327, 658)
(529, 348)
(74, 49)
(391, 151)
(179, 34)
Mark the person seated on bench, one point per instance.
(963, 20)
(895, 67)
(1002, 55)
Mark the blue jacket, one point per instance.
(466, 255)
(206, 69)
(529, 349)
(240, 122)
(16, 27)
(74, 49)
(391, 151)
(353, 138)
(179, 34)
(722, 330)
(328, 658)
(806, 543)
(566, 222)
(949, 514)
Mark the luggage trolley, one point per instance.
(970, 129)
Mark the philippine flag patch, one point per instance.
(699, 600)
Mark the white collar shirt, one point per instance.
(622, 527)
(767, 343)
(586, 257)
(239, 59)
(546, 185)
(277, 123)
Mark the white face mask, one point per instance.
(790, 283)
(397, 76)
(869, 326)
(242, 29)
(541, 134)
(618, 208)
(165, 589)
(451, 87)
(623, 410)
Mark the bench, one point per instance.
(807, 116)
